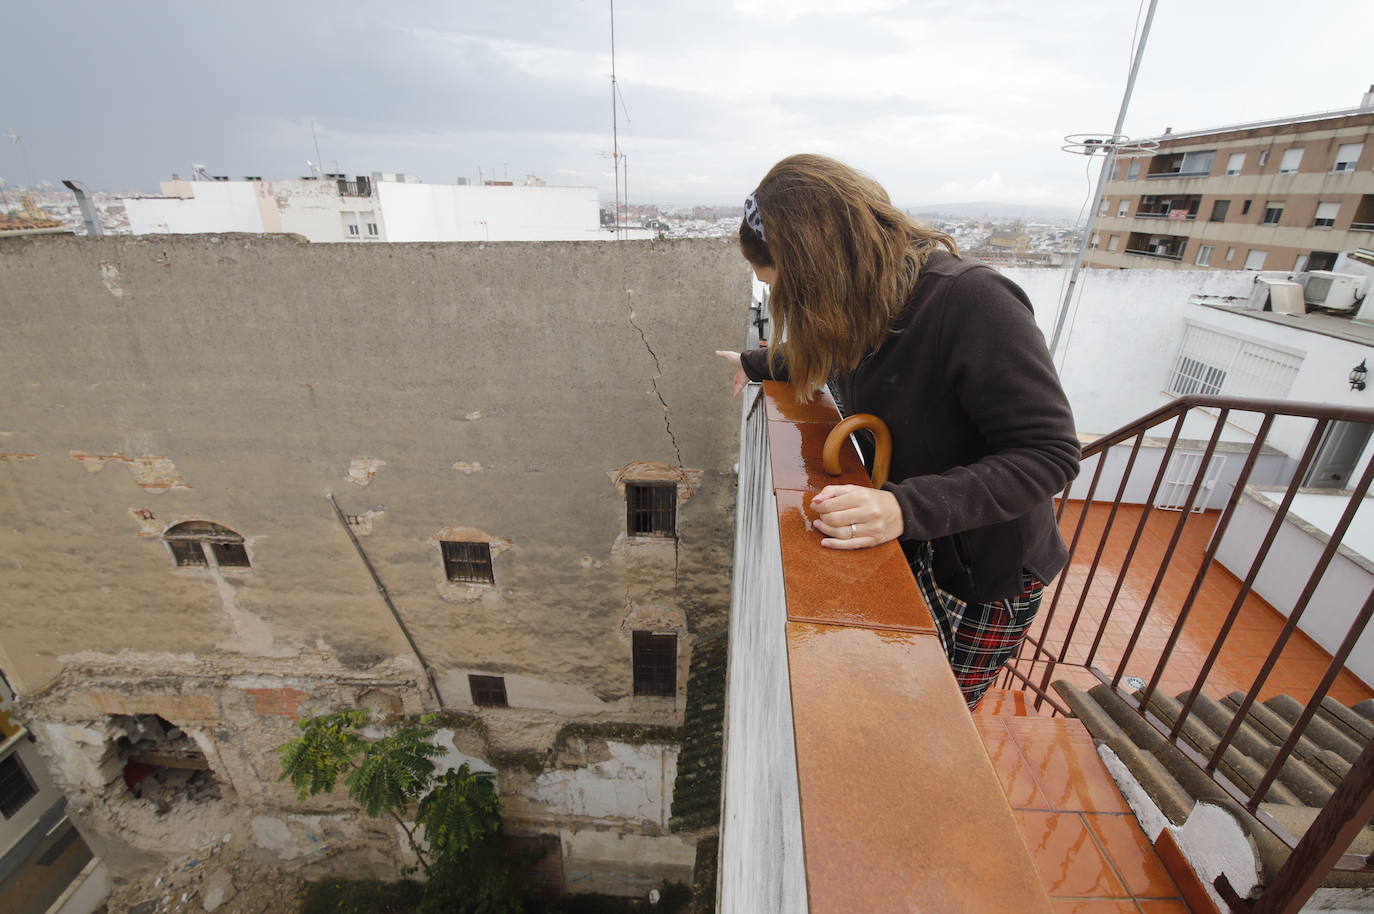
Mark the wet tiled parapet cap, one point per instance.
(901, 809)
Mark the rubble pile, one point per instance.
(213, 880)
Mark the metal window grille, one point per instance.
(488, 691)
(232, 555)
(187, 553)
(16, 787)
(1273, 212)
(1213, 363)
(651, 508)
(468, 563)
(189, 539)
(655, 664)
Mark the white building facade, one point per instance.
(383, 207)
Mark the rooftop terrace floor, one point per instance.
(1300, 666)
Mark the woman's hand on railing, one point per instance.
(732, 357)
(857, 517)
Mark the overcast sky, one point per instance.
(942, 101)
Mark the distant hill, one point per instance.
(993, 210)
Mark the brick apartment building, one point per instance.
(1288, 194)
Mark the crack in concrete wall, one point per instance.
(658, 373)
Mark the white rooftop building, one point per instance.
(383, 207)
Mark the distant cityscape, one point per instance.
(996, 236)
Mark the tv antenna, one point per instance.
(617, 103)
(1111, 146)
(18, 140)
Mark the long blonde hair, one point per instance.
(846, 262)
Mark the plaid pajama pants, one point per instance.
(977, 637)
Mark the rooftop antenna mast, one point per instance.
(1115, 146)
(18, 140)
(319, 160)
(615, 126)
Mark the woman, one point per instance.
(946, 352)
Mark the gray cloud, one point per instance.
(933, 97)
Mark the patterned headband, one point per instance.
(753, 217)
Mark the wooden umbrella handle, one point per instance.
(882, 453)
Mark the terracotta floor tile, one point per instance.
(1013, 771)
(1133, 855)
(1163, 907)
(1067, 857)
(1094, 906)
(1071, 776)
(1253, 632)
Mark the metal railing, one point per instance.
(359, 188)
(1321, 848)
(1154, 254)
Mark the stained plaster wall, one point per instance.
(497, 392)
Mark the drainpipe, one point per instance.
(386, 597)
(88, 213)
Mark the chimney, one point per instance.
(1368, 100)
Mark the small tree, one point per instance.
(459, 810)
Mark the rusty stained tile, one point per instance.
(782, 406)
(795, 451)
(870, 588)
(901, 810)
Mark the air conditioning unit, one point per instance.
(1333, 291)
(1278, 295)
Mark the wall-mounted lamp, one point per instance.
(1357, 376)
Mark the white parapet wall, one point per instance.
(461, 212)
(1303, 535)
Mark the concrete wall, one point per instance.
(451, 212)
(1117, 354)
(760, 857)
(1120, 340)
(1227, 462)
(497, 392)
(1338, 598)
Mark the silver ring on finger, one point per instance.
(853, 531)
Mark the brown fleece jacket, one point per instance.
(982, 434)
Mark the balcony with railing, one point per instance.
(1217, 653)
(1160, 206)
(1162, 247)
(1364, 215)
(359, 187)
(855, 778)
(1186, 728)
(1182, 165)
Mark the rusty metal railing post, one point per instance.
(1317, 852)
